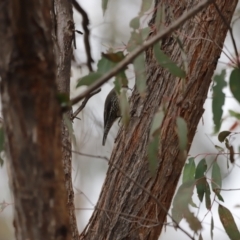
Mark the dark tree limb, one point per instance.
(85, 23)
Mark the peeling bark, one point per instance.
(202, 38)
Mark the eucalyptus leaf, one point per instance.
(223, 135)
(182, 132)
(189, 170)
(89, 79)
(218, 99)
(228, 223)
(234, 83)
(167, 63)
(201, 179)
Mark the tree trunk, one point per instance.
(202, 38)
(32, 120)
(64, 32)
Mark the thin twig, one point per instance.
(231, 33)
(230, 189)
(131, 56)
(85, 23)
(137, 184)
(74, 115)
(120, 213)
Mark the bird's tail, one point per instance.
(105, 133)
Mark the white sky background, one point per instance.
(112, 30)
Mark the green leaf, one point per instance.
(144, 32)
(216, 176)
(104, 5)
(135, 23)
(117, 85)
(154, 142)
(134, 41)
(140, 73)
(124, 106)
(201, 169)
(153, 153)
(212, 227)
(217, 192)
(120, 81)
(222, 135)
(193, 204)
(234, 114)
(180, 207)
(123, 79)
(181, 200)
(182, 132)
(157, 122)
(145, 6)
(207, 196)
(189, 170)
(228, 223)
(160, 17)
(200, 177)
(89, 79)
(218, 99)
(193, 221)
(167, 63)
(234, 83)
(109, 61)
(183, 52)
(201, 186)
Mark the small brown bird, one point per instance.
(111, 112)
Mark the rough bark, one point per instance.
(64, 32)
(202, 38)
(32, 120)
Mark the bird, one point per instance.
(111, 112)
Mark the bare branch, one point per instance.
(74, 115)
(85, 23)
(231, 33)
(122, 214)
(131, 56)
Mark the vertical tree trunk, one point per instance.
(202, 38)
(64, 32)
(32, 120)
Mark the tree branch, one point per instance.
(74, 115)
(131, 56)
(231, 33)
(85, 23)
